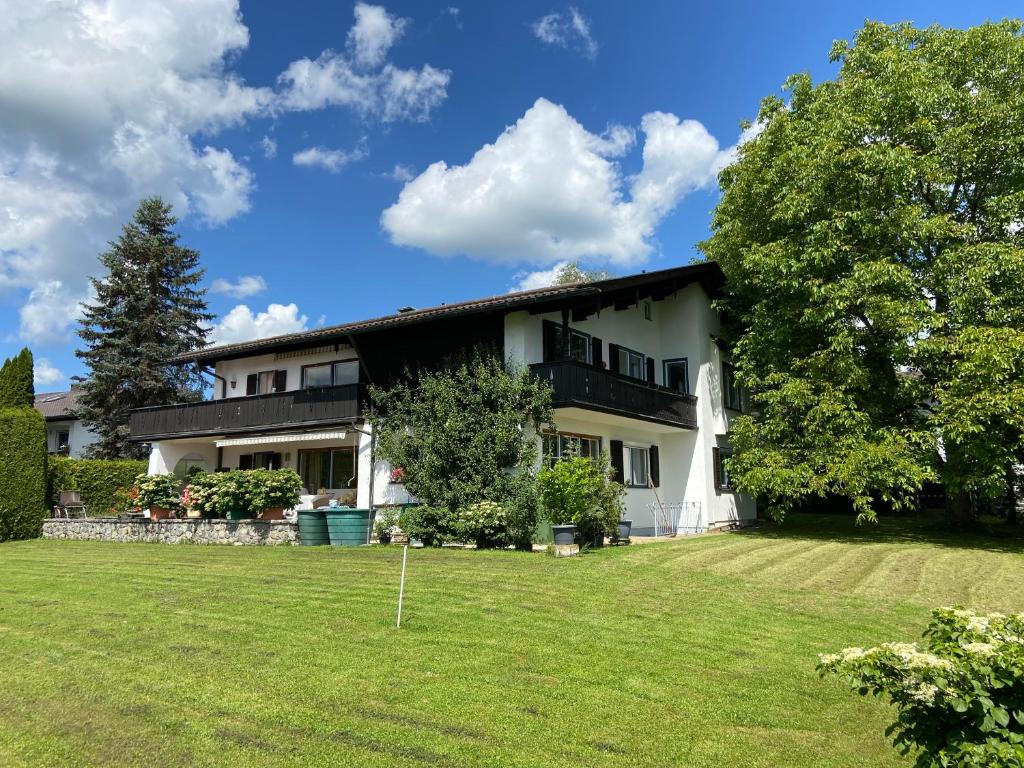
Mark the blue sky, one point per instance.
(284, 136)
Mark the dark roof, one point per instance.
(57, 405)
(598, 294)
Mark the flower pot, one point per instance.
(193, 514)
(272, 513)
(160, 513)
(241, 514)
(564, 534)
(624, 528)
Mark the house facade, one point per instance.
(633, 363)
(66, 435)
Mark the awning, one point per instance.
(288, 438)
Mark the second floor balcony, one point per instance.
(301, 408)
(576, 384)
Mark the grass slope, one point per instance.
(698, 652)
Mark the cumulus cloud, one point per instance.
(49, 310)
(331, 159)
(548, 190)
(45, 373)
(401, 172)
(567, 30)
(104, 103)
(541, 278)
(242, 324)
(243, 287)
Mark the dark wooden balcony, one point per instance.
(302, 408)
(579, 385)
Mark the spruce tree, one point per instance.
(16, 386)
(147, 309)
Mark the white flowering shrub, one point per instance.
(485, 523)
(960, 698)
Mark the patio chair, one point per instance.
(69, 505)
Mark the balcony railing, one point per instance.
(281, 410)
(584, 386)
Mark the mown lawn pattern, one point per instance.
(696, 652)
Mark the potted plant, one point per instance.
(625, 526)
(202, 495)
(233, 495)
(386, 525)
(191, 511)
(161, 494)
(272, 491)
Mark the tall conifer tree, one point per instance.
(148, 308)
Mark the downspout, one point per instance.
(223, 381)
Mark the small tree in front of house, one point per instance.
(464, 435)
(147, 309)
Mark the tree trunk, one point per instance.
(960, 510)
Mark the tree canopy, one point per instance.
(871, 235)
(16, 385)
(147, 309)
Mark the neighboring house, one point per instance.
(65, 433)
(633, 364)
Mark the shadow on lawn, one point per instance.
(920, 529)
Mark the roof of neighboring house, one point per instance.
(598, 293)
(57, 405)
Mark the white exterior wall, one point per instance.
(237, 371)
(683, 325)
(79, 436)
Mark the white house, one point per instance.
(65, 433)
(633, 364)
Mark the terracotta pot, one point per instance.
(272, 513)
(160, 513)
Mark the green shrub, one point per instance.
(269, 488)
(485, 523)
(250, 490)
(16, 386)
(426, 523)
(22, 473)
(577, 490)
(385, 524)
(98, 480)
(960, 699)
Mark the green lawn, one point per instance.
(696, 652)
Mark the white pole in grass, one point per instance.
(401, 586)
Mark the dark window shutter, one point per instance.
(613, 357)
(245, 461)
(716, 460)
(650, 372)
(596, 351)
(615, 449)
(655, 469)
(251, 384)
(551, 351)
(280, 381)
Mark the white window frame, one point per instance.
(559, 437)
(627, 465)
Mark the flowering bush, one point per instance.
(960, 699)
(485, 523)
(269, 488)
(159, 491)
(397, 475)
(126, 501)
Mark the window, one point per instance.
(330, 374)
(637, 467)
(260, 460)
(647, 310)
(632, 363)
(558, 445)
(579, 344)
(266, 382)
(677, 375)
(732, 393)
(720, 458)
(63, 442)
(329, 468)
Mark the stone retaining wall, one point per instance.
(174, 531)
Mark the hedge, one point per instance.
(22, 473)
(97, 479)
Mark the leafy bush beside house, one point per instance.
(98, 480)
(577, 490)
(464, 435)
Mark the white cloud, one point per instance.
(541, 278)
(45, 373)
(50, 309)
(104, 103)
(244, 286)
(242, 324)
(331, 159)
(570, 29)
(374, 33)
(547, 190)
(269, 147)
(401, 172)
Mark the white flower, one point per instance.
(982, 649)
(925, 693)
(978, 624)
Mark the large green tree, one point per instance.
(148, 308)
(872, 239)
